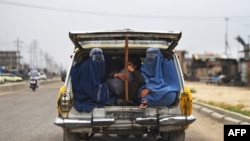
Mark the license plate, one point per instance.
(125, 115)
(33, 82)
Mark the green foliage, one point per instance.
(192, 90)
(239, 108)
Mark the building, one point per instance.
(182, 59)
(10, 59)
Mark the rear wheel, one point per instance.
(174, 136)
(68, 136)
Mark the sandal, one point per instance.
(144, 104)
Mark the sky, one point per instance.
(42, 26)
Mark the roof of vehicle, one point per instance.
(170, 38)
(8, 74)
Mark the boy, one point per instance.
(135, 81)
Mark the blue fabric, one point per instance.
(88, 85)
(170, 75)
(160, 77)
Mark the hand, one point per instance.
(144, 92)
(122, 76)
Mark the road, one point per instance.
(28, 116)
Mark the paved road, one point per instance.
(28, 116)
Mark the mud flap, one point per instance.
(60, 93)
(186, 103)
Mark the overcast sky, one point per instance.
(46, 23)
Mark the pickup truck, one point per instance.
(154, 122)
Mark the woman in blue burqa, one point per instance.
(88, 78)
(161, 80)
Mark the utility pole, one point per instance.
(33, 55)
(248, 51)
(226, 40)
(18, 54)
(249, 41)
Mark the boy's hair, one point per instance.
(135, 60)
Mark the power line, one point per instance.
(125, 15)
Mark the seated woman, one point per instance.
(88, 82)
(161, 80)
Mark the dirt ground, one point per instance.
(221, 94)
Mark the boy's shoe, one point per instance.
(131, 103)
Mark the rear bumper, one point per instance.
(72, 123)
(177, 120)
(78, 123)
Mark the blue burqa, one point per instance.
(160, 77)
(88, 85)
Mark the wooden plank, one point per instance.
(126, 68)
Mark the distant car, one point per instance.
(216, 79)
(42, 76)
(8, 77)
(2, 81)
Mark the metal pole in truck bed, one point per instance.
(126, 68)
